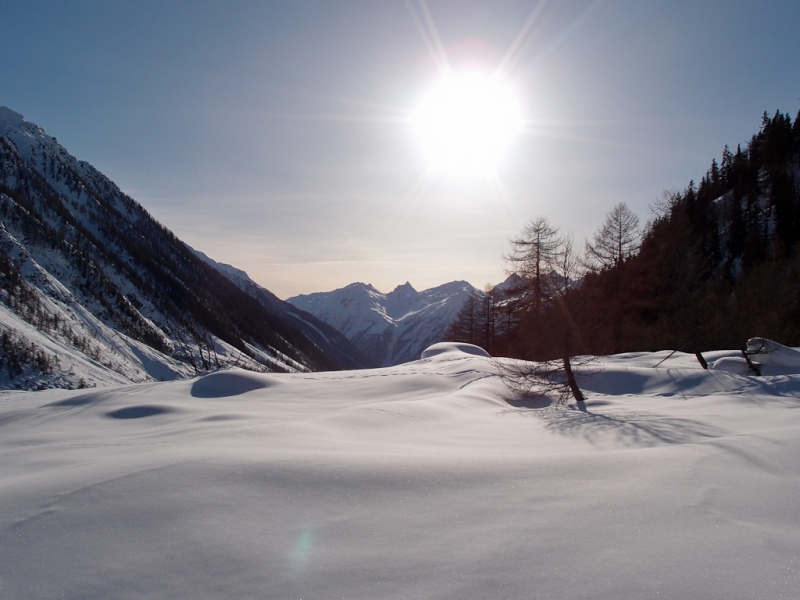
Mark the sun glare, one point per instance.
(466, 122)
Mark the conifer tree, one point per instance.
(533, 255)
(551, 328)
(466, 325)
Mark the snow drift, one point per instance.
(415, 481)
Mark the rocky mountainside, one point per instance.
(391, 328)
(93, 290)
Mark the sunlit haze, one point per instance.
(316, 144)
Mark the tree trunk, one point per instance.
(573, 384)
(701, 359)
(750, 364)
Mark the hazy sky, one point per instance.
(274, 136)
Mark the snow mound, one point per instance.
(730, 364)
(454, 348)
(224, 384)
(782, 359)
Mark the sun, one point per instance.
(466, 122)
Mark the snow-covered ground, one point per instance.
(415, 481)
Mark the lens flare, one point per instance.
(301, 551)
(466, 122)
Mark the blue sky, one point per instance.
(273, 135)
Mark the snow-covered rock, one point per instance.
(774, 358)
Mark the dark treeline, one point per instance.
(717, 264)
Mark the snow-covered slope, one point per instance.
(95, 277)
(392, 328)
(416, 481)
(335, 344)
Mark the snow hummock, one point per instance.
(224, 384)
(770, 357)
(423, 480)
(453, 348)
(776, 358)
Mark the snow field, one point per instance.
(415, 481)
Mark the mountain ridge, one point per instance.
(340, 347)
(394, 327)
(92, 271)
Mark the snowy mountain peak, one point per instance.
(394, 327)
(406, 290)
(8, 117)
(359, 287)
(12, 122)
(512, 285)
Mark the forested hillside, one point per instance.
(715, 265)
(87, 272)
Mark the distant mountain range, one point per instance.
(390, 328)
(335, 345)
(93, 290)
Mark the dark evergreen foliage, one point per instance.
(718, 264)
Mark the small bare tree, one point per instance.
(558, 328)
(617, 240)
(200, 342)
